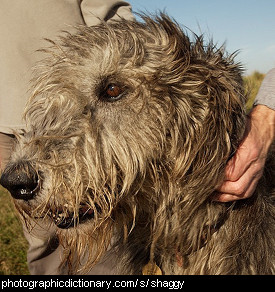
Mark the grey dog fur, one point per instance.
(147, 164)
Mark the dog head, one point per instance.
(120, 114)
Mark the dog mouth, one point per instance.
(64, 219)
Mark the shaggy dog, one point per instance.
(129, 130)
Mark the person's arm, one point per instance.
(266, 94)
(245, 169)
(95, 11)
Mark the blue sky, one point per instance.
(245, 25)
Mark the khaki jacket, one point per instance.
(23, 26)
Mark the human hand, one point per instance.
(245, 168)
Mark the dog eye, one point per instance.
(113, 92)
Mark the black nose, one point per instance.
(21, 180)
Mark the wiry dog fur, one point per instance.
(145, 161)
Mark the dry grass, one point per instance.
(13, 245)
(252, 84)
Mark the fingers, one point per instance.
(242, 161)
(243, 187)
(225, 197)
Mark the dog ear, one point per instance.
(171, 45)
(206, 90)
(205, 87)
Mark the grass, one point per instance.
(252, 84)
(13, 246)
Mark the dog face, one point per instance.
(119, 113)
(97, 118)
